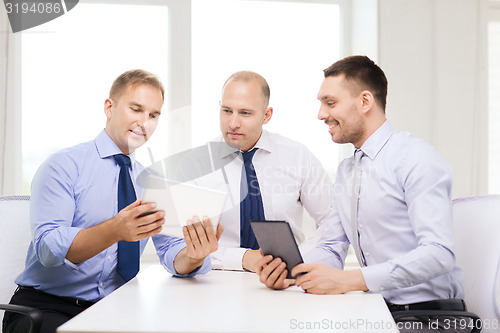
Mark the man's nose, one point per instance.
(234, 121)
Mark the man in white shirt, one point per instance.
(289, 176)
(392, 202)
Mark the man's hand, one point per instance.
(273, 273)
(250, 258)
(128, 225)
(133, 224)
(200, 242)
(322, 279)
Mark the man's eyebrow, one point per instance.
(327, 96)
(239, 110)
(136, 104)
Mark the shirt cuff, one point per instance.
(229, 258)
(54, 247)
(172, 254)
(378, 277)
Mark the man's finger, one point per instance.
(301, 268)
(262, 262)
(220, 230)
(144, 209)
(133, 205)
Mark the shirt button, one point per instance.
(109, 258)
(360, 226)
(382, 288)
(100, 285)
(367, 253)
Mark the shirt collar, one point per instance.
(106, 147)
(374, 144)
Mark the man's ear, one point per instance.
(367, 100)
(108, 104)
(268, 115)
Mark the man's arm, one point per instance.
(322, 279)
(426, 179)
(127, 225)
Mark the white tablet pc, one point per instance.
(182, 201)
(276, 238)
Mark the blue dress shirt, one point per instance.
(75, 189)
(404, 220)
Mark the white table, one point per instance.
(223, 301)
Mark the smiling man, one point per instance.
(88, 227)
(268, 176)
(392, 203)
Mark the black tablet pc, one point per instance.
(276, 238)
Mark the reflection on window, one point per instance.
(69, 64)
(289, 43)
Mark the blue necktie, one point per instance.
(251, 207)
(128, 252)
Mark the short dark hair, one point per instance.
(133, 78)
(361, 73)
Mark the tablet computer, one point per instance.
(182, 201)
(276, 238)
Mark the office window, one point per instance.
(289, 43)
(494, 99)
(69, 64)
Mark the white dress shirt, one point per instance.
(404, 220)
(290, 178)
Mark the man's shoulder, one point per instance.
(412, 145)
(415, 153)
(73, 155)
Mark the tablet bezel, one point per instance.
(276, 238)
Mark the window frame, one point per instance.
(179, 69)
(493, 16)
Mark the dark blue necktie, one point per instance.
(251, 207)
(128, 252)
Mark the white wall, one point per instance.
(434, 55)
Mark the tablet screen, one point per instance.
(276, 238)
(182, 201)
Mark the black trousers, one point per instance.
(55, 310)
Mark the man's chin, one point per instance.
(232, 143)
(133, 144)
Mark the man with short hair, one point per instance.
(88, 228)
(268, 176)
(392, 203)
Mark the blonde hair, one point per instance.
(133, 78)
